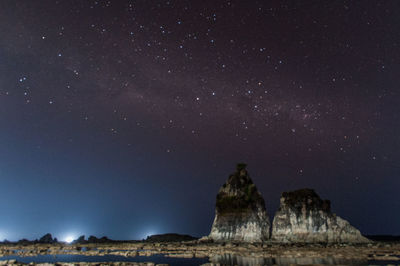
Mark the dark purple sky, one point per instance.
(123, 118)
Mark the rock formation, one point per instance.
(80, 240)
(104, 239)
(240, 213)
(304, 217)
(47, 239)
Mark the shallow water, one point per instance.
(107, 258)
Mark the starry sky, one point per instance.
(124, 117)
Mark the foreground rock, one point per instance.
(304, 217)
(240, 213)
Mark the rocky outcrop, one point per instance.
(304, 217)
(80, 240)
(240, 213)
(104, 239)
(47, 239)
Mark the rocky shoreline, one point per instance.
(213, 251)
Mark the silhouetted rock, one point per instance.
(80, 240)
(240, 213)
(24, 241)
(304, 217)
(170, 238)
(104, 239)
(46, 239)
(92, 239)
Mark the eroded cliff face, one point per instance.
(240, 213)
(304, 217)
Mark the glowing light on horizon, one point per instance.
(2, 236)
(69, 239)
(149, 233)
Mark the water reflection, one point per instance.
(328, 260)
(231, 259)
(221, 260)
(158, 259)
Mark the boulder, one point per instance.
(240, 213)
(304, 217)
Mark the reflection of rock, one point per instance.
(232, 259)
(318, 261)
(240, 213)
(304, 217)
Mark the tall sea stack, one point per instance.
(304, 217)
(240, 213)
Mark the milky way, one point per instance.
(131, 114)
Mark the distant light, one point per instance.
(2, 236)
(69, 239)
(149, 232)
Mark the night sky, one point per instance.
(123, 118)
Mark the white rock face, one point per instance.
(248, 227)
(240, 213)
(304, 217)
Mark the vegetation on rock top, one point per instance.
(246, 197)
(298, 198)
